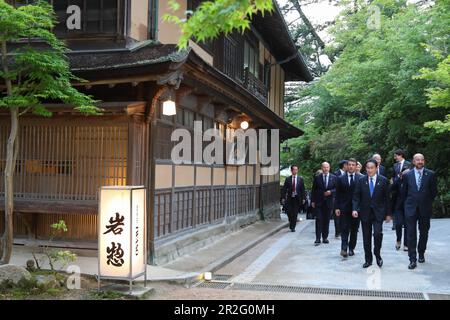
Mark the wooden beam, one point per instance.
(63, 207)
(116, 81)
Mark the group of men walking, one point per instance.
(369, 199)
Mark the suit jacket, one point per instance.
(396, 169)
(286, 192)
(344, 192)
(337, 173)
(379, 202)
(381, 170)
(396, 189)
(318, 189)
(419, 199)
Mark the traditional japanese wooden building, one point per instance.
(127, 53)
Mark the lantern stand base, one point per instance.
(135, 291)
(120, 287)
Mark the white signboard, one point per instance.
(122, 232)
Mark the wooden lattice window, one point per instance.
(97, 17)
(67, 162)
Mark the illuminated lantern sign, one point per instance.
(122, 249)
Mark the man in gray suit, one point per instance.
(419, 189)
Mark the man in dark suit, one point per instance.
(294, 196)
(339, 172)
(399, 211)
(400, 165)
(342, 168)
(322, 200)
(371, 203)
(343, 208)
(419, 188)
(381, 170)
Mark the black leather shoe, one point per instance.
(380, 262)
(421, 259)
(317, 242)
(344, 253)
(367, 264)
(326, 241)
(292, 230)
(337, 235)
(412, 265)
(351, 253)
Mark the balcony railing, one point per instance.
(255, 86)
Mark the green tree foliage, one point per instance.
(212, 18)
(439, 94)
(378, 94)
(33, 70)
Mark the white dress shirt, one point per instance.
(401, 166)
(350, 178)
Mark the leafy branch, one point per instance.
(212, 18)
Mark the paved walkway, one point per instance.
(292, 259)
(225, 250)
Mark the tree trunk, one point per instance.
(11, 154)
(6, 241)
(308, 23)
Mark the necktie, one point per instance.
(371, 186)
(351, 179)
(419, 181)
(325, 181)
(294, 191)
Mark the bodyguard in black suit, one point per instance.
(371, 203)
(343, 208)
(294, 196)
(419, 189)
(322, 200)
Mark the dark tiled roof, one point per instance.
(150, 54)
(276, 34)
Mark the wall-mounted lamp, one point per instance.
(286, 148)
(244, 125)
(169, 108)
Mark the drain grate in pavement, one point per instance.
(213, 284)
(312, 290)
(222, 277)
(330, 291)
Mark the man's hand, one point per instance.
(338, 212)
(283, 201)
(388, 219)
(327, 193)
(313, 204)
(355, 214)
